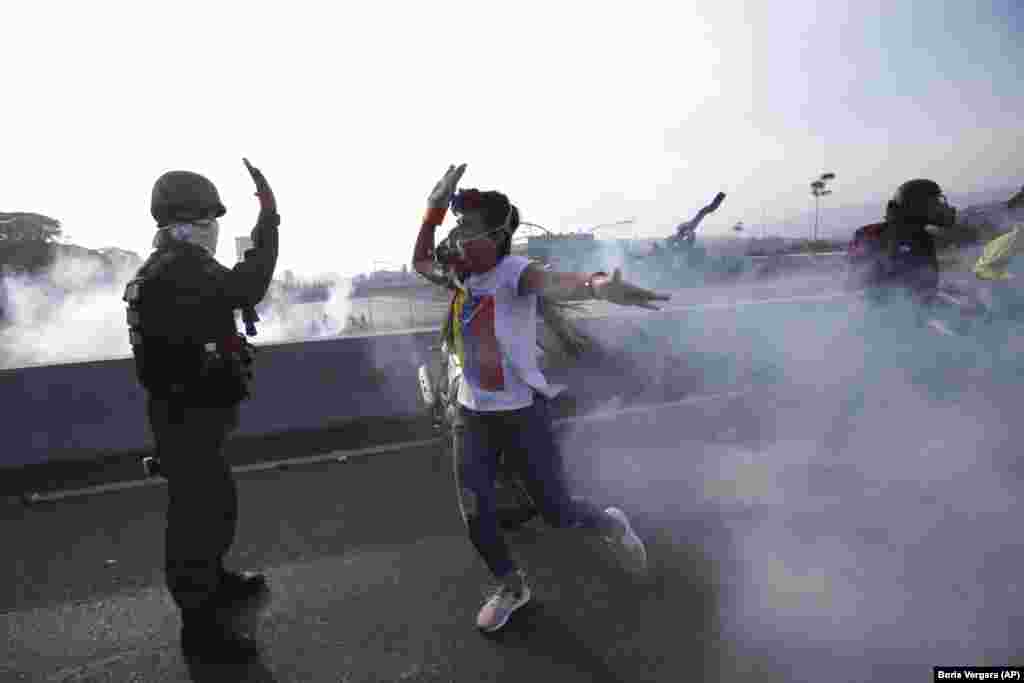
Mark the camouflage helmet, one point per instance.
(184, 195)
(921, 201)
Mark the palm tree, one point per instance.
(818, 191)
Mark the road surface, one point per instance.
(775, 558)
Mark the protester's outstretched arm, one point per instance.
(437, 205)
(583, 286)
(250, 279)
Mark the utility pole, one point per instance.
(818, 191)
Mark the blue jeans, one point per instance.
(527, 439)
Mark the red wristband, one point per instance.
(435, 215)
(589, 283)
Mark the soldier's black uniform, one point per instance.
(905, 259)
(900, 254)
(196, 368)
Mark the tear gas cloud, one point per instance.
(285, 319)
(867, 495)
(73, 311)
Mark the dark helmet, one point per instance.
(921, 201)
(184, 195)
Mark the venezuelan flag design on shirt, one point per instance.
(476, 340)
(492, 330)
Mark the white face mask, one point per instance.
(205, 234)
(202, 233)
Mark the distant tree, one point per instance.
(27, 242)
(818, 190)
(32, 242)
(30, 227)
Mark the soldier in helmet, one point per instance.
(195, 368)
(899, 254)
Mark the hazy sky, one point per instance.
(582, 113)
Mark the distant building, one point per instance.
(242, 244)
(561, 250)
(385, 282)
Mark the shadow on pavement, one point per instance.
(251, 670)
(542, 632)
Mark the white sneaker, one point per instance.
(509, 597)
(627, 547)
(941, 327)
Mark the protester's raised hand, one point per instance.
(445, 188)
(618, 291)
(263, 191)
(716, 202)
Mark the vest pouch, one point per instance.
(225, 373)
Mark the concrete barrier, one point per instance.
(87, 410)
(91, 410)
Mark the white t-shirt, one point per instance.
(496, 340)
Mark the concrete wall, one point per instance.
(87, 410)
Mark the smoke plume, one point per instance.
(867, 494)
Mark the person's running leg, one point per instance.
(476, 449)
(534, 448)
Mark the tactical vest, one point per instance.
(911, 261)
(184, 340)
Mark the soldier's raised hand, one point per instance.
(266, 196)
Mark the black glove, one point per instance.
(269, 217)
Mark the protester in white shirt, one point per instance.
(504, 396)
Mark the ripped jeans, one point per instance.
(527, 438)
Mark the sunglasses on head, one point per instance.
(466, 200)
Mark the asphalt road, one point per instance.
(776, 557)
